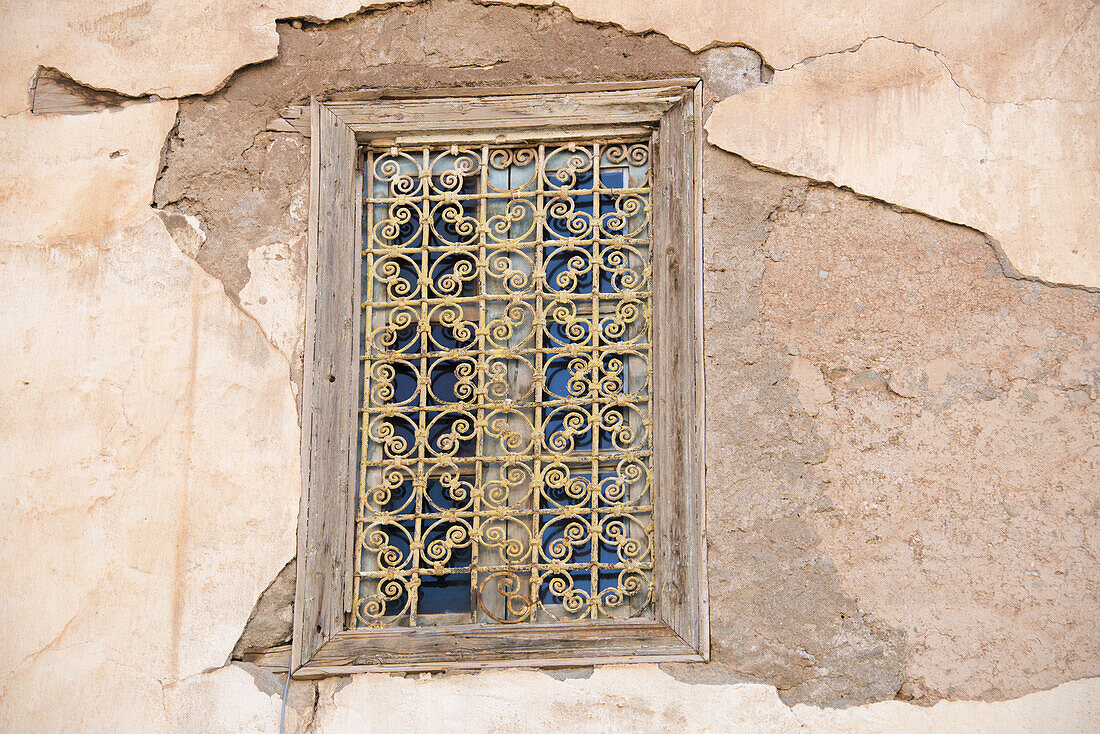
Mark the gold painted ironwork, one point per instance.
(505, 422)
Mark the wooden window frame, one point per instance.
(669, 109)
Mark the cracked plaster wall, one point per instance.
(149, 434)
(903, 468)
(889, 120)
(1020, 135)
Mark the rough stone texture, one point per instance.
(777, 610)
(149, 437)
(902, 470)
(889, 120)
(1029, 67)
(962, 482)
(272, 620)
(218, 146)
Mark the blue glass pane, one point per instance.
(424, 252)
(564, 334)
(445, 337)
(444, 383)
(405, 339)
(580, 581)
(560, 379)
(407, 220)
(452, 274)
(399, 499)
(403, 383)
(568, 266)
(447, 593)
(567, 429)
(450, 494)
(403, 433)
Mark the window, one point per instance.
(502, 416)
(505, 408)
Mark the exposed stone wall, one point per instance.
(903, 473)
(960, 412)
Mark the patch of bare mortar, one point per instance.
(778, 614)
(563, 11)
(777, 611)
(339, 683)
(271, 622)
(185, 231)
(54, 92)
(729, 70)
(569, 673)
(920, 290)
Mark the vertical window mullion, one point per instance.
(423, 383)
(596, 405)
(480, 445)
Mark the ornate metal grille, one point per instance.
(505, 425)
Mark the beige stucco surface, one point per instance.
(890, 121)
(995, 127)
(641, 699)
(886, 461)
(999, 50)
(170, 48)
(149, 434)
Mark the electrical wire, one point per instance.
(286, 687)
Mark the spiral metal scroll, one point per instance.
(505, 417)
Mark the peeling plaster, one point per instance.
(1008, 52)
(251, 199)
(1001, 51)
(171, 48)
(91, 225)
(236, 698)
(148, 429)
(152, 444)
(986, 48)
(888, 120)
(81, 175)
(629, 699)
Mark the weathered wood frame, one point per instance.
(322, 645)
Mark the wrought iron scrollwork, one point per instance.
(505, 417)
